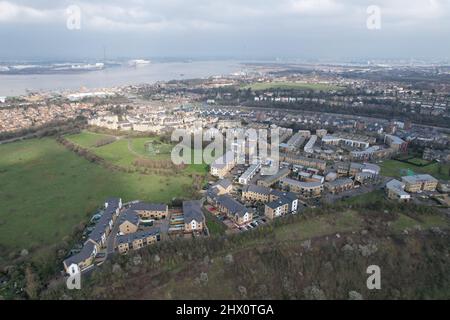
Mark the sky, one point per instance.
(241, 29)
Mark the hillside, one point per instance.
(318, 255)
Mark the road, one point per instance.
(111, 241)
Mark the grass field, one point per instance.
(319, 226)
(125, 150)
(425, 222)
(392, 168)
(293, 86)
(377, 195)
(215, 226)
(46, 190)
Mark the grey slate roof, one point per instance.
(129, 238)
(224, 183)
(145, 206)
(339, 182)
(257, 189)
(419, 178)
(101, 225)
(85, 253)
(129, 215)
(232, 205)
(192, 210)
(280, 202)
(113, 202)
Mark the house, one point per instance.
(84, 258)
(249, 174)
(276, 208)
(420, 182)
(396, 143)
(395, 190)
(303, 161)
(150, 210)
(234, 210)
(222, 165)
(137, 240)
(307, 189)
(339, 185)
(129, 222)
(97, 238)
(194, 219)
(256, 193)
(223, 186)
(268, 181)
(281, 203)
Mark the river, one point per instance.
(13, 85)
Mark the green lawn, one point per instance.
(392, 168)
(319, 226)
(293, 86)
(377, 195)
(87, 139)
(126, 150)
(215, 226)
(46, 190)
(425, 222)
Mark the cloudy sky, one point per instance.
(325, 29)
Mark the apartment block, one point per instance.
(420, 182)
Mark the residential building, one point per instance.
(310, 144)
(137, 240)
(249, 174)
(223, 186)
(129, 222)
(281, 203)
(194, 219)
(339, 185)
(256, 193)
(420, 182)
(395, 190)
(306, 189)
(303, 161)
(269, 181)
(276, 208)
(150, 210)
(222, 165)
(396, 143)
(84, 258)
(234, 210)
(97, 238)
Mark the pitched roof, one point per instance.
(192, 210)
(257, 189)
(145, 206)
(224, 183)
(130, 216)
(339, 182)
(85, 253)
(129, 238)
(232, 205)
(277, 203)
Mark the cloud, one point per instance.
(230, 25)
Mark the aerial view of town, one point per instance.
(303, 175)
